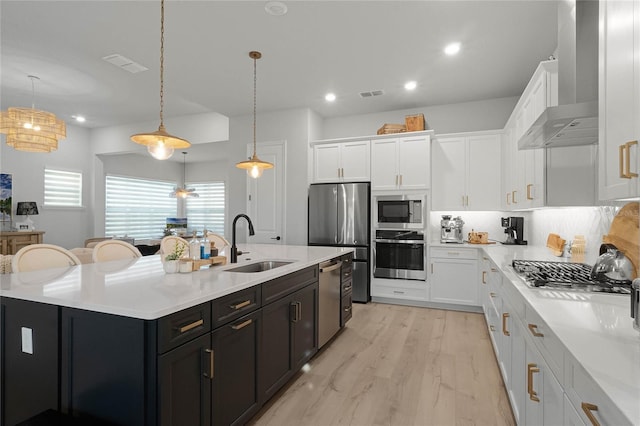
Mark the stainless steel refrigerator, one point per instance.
(339, 215)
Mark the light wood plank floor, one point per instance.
(398, 365)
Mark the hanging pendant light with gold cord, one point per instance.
(161, 144)
(31, 129)
(254, 166)
(183, 192)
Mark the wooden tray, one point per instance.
(215, 260)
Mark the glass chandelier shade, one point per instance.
(31, 129)
(160, 144)
(254, 166)
(183, 192)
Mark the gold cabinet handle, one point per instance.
(534, 330)
(191, 326)
(588, 410)
(400, 180)
(493, 269)
(211, 362)
(628, 146)
(242, 324)
(492, 294)
(484, 277)
(396, 180)
(347, 309)
(492, 328)
(293, 309)
(513, 197)
(508, 199)
(504, 324)
(432, 269)
(467, 200)
(529, 196)
(240, 305)
(621, 150)
(533, 395)
(463, 201)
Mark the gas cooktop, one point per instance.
(563, 275)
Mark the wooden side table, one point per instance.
(11, 242)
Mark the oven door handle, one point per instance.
(400, 241)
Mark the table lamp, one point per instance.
(26, 208)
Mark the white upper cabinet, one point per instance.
(347, 162)
(466, 171)
(400, 163)
(619, 99)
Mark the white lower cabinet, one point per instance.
(408, 290)
(544, 399)
(454, 275)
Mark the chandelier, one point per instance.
(254, 166)
(183, 192)
(160, 144)
(31, 129)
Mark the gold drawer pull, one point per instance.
(493, 269)
(484, 277)
(191, 326)
(588, 410)
(504, 324)
(241, 304)
(241, 325)
(534, 330)
(533, 395)
(508, 195)
(513, 197)
(492, 328)
(529, 196)
(211, 360)
(492, 294)
(621, 150)
(628, 146)
(347, 309)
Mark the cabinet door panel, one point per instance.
(414, 162)
(384, 160)
(305, 327)
(326, 162)
(448, 174)
(483, 188)
(355, 161)
(184, 384)
(235, 392)
(454, 281)
(276, 364)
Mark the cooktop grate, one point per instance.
(565, 275)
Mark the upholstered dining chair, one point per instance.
(169, 243)
(35, 257)
(219, 240)
(108, 250)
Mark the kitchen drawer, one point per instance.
(408, 293)
(454, 252)
(515, 299)
(586, 396)
(228, 308)
(347, 287)
(547, 343)
(346, 310)
(179, 328)
(347, 266)
(280, 287)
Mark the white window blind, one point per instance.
(138, 208)
(62, 188)
(208, 210)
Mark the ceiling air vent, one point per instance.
(371, 93)
(125, 63)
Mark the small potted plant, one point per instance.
(171, 260)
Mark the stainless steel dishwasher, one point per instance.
(329, 301)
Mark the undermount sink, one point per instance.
(265, 265)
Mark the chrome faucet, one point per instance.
(234, 249)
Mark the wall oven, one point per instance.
(399, 211)
(399, 255)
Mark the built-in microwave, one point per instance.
(400, 211)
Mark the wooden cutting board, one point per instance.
(625, 235)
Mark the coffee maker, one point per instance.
(513, 227)
(451, 229)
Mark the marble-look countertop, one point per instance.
(139, 288)
(595, 328)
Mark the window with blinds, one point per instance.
(62, 188)
(208, 210)
(138, 208)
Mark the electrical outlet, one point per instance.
(27, 340)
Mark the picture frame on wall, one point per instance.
(6, 195)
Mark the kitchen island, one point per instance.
(124, 342)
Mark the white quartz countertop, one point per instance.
(595, 328)
(139, 288)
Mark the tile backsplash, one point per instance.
(591, 222)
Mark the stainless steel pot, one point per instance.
(612, 267)
(635, 303)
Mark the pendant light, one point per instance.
(30, 129)
(183, 192)
(254, 166)
(161, 144)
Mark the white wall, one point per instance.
(67, 227)
(464, 117)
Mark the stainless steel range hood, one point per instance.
(575, 120)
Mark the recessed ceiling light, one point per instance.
(410, 85)
(275, 8)
(452, 48)
(79, 118)
(330, 97)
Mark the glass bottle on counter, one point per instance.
(205, 246)
(194, 247)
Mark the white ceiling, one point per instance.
(342, 46)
